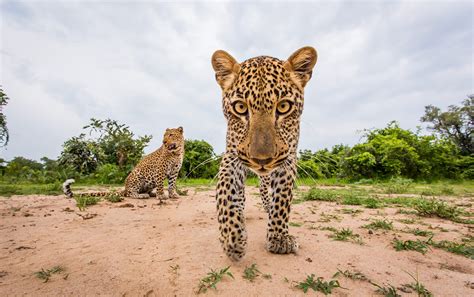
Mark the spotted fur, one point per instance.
(146, 179)
(262, 100)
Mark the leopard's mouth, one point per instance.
(260, 169)
(172, 147)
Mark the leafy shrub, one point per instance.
(110, 174)
(199, 161)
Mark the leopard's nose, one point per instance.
(262, 162)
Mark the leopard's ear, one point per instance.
(180, 129)
(300, 65)
(226, 68)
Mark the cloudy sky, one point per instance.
(148, 65)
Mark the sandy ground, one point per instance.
(129, 251)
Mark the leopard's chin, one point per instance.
(261, 171)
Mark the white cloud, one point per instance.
(148, 65)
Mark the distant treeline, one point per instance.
(110, 151)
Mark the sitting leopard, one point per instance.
(148, 176)
(262, 102)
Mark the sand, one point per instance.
(112, 250)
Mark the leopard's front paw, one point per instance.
(161, 196)
(282, 244)
(234, 245)
(174, 196)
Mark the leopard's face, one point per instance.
(262, 101)
(173, 140)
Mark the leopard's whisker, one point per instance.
(203, 163)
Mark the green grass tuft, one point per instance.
(83, 201)
(380, 224)
(433, 207)
(250, 273)
(345, 234)
(316, 194)
(318, 285)
(466, 250)
(46, 274)
(212, 279)
(410, 245)
(419, 232)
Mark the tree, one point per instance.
(117, 143)
(456, 124)
(4, 135)
(199, 161)
(393, 151)
(80, 154)
(113, 143)
(23, 168)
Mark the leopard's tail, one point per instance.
(69, 194)
(67, 188)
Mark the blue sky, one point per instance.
(148, 65)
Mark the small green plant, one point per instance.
(453, 247)
(371, 203)
(318, 285)
(419, 287)
(250, 273)
(419, 232)
(212, 279)
(352, 199)
(83, 201)
(267, 276)
(345, 234)
(295, 224)
(354, 275)
(46, 274)
(418, 245)
(387, 291)
(433, 207)
(380, 224)
(316, 194)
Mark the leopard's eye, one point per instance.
(240, 107)
(284, 106)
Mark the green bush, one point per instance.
(110, 174)
(199, 161)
